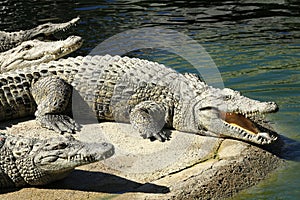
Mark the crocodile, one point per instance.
(146, 94)
(27, 161)
(34, 52)
(9, 40)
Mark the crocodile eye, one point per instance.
(61, 145)
(27, 47)
(45, 26)
(227, 97)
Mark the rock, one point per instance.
(188, 166)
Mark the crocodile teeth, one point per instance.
(248, 114)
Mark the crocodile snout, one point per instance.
(273, 106)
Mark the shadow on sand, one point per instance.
(100, 182)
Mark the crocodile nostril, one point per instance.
(274, 105)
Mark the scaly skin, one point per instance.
(9, 40)
(34, 52)
(148, 95)
(30, 161)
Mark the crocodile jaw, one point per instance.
(240, 121)
(34, 52)
(246, 127)
(54, 159)
(44, 31)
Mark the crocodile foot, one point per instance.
(148, 118)
(160, 136)
(58, 123)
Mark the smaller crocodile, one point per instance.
(9, 40)
(31, 161)
(34, 52)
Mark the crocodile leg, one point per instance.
(148, 118)
(52, 96)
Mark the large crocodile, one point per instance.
(34, 52)
(9, 40)
(30, 161)
(148, 95)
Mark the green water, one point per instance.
(255, 44)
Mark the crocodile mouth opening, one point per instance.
(240, 121)
(44, 37)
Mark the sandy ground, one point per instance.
(185, 167)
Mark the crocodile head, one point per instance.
(9, 40)
(45, 31)
(34, 52)
(39, 162)
(225, 112)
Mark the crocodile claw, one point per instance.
(58, 123)
(160, 136)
